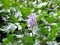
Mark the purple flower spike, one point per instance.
(32, 22)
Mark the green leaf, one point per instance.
(53, 33)
(58, 24)
(50, 19)
(58, 14)
(6, 3)
(15, 4)
(23, 25)
(6, 41)
(28, 40)
(25, 12)
(10, 38)
(13, 19)
(43, 31)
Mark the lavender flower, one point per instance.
(32, 22)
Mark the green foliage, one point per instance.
(13, 19)
(6, 4)
(25, 12)
(53, 33)
(47, 17)
(10, 38)
(28, 40)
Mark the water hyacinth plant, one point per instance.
(29, 22)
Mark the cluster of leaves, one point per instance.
(48, 21)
